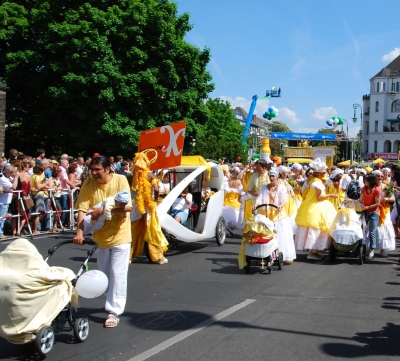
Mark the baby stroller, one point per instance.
(44, 336)
(259, 243)
(346, 232)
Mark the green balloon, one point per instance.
(273, 114)
(341, 121)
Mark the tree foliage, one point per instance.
(275, 144)
(222, 133)
(90, 75)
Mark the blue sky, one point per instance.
(321, 53)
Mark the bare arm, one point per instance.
(78, 239)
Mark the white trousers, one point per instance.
(114, 262)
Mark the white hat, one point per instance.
(386, 170)
(336, 172)
(375, 172)
(363, 171)
(318, 165)
(122, 196)
(297, 166)
(273, 171)
(283, 169)
(236, 169)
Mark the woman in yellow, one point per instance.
(315, 215)
(385, 236)
(276, 193)
(232, 202)
(114, 238)
(247, 211)
(39, 188)
(335, 188)
(291, 206)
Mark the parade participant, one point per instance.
(232, 202)
(93, 223)
(276, 193)
(291, 206)
(370, 200)
(309, 175)
(145, 224)
(259, 178)
(247, 204)
(385, 236)
(396, 190)
(315, 215)
(113, 238)
(333, 187)
(296, 172)
(386, 175)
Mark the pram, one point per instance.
(346, 232)
(44, 336)
(260, 243)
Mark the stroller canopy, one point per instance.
(32, 293)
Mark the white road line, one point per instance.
(181, 336)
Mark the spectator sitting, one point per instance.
(180, 207)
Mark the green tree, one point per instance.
(90, 75)
(222, 133)
(275, 144)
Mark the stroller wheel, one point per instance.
(332, 253)
(44, 340)
(280, 260)
(81, 329)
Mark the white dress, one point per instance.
(282, 222)
(232, 207)
(385, 236)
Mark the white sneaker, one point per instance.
(164, 261)
(384, 254)
(314, 256)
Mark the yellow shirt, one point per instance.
(114, 232)
(38, 179)
(256, 182)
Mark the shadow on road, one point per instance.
(375, 343)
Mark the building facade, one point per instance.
(381, 126)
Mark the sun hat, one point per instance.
(336, 172)
(297, 166)
(122, 196)
(273, 172)
(318, 165)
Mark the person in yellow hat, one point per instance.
(368, 170)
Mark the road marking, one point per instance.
(181, 336)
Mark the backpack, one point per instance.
(354, 190)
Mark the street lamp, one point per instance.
(393, 74)
(355, 106)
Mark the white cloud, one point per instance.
(288, 116)
(387, 58)
(324, 113)
(261, 107)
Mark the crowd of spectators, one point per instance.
(43, 179)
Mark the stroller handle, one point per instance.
(265, 205)
(68, 241)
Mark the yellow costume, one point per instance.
(141, 230)
(248, 203)
(331, 189)
(314, 219)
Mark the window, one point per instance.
(376, 125)
(397, 86)
(376, 107)
(375, 146)
(384, 87)
(367, 127)
(377, 87)
(396, 106)
(366, 146)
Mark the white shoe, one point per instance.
(164, 261)
(314, 256)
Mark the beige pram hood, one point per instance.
(32, 293)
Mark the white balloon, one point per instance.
(275, 109)
(91, 284)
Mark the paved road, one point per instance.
(200, 306)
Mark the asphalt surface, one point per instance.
(200, 306)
